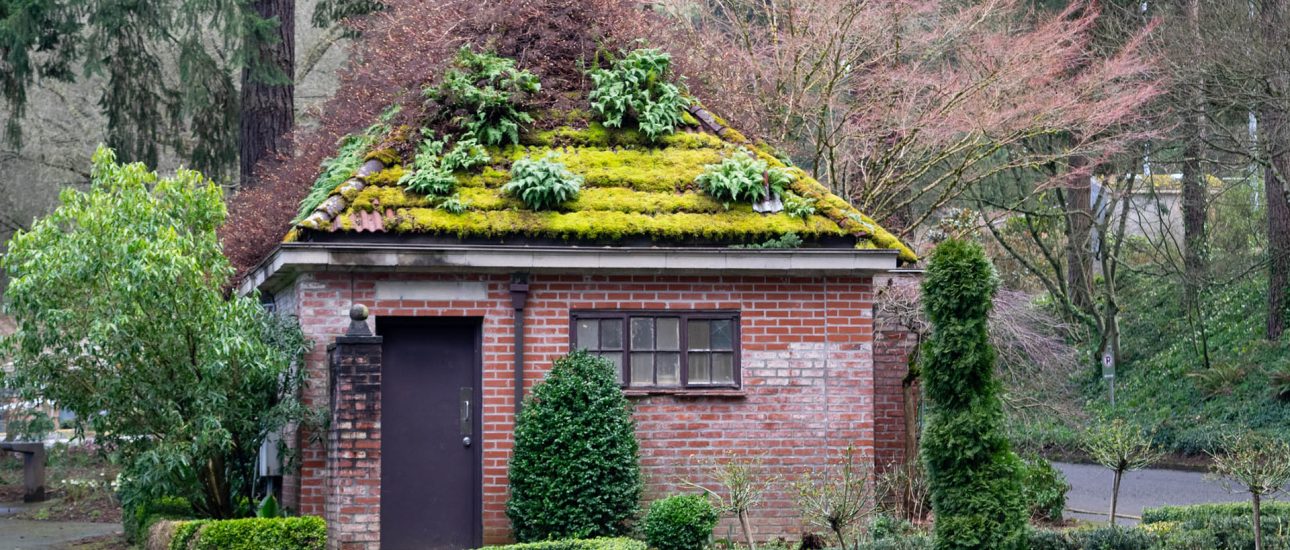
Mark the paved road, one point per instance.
(18, 534)
(1091, 490)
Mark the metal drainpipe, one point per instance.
(519, 297)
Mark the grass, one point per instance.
(1163, 384)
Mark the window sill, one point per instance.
(687, 392)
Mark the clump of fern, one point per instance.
(483, 94)
(433, 170)
(742, 178)
(796, 205)
(638, 87)
(542, 184)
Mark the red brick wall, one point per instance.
(894, 345)
(807, 374)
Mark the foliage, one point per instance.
(454, 205)
(118, 296)
(639, 87)
(1202, 513)
(679, 522)
(298, 533)
(433, 170)
(574, 471)
(26, 425)
(269, 508)
(837, 499)
(138, 519)
(335, 170)
(743, 483)
(797, 206)
(542, 184)
(1259, 464)
(575, 544)
(1119, 447)
(151, 70)
(483, 94)
(1043, 488)
(742, 178)
(975, 478)
(787, 240)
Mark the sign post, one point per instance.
(1108, 373)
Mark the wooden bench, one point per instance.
(33, 468)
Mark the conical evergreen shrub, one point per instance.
(575, 471)
(975, 478)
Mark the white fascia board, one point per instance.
(290, 259)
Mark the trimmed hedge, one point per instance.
(138, 521)
(299, 533)
(680, 522)
(605, 543)
(1206, 512)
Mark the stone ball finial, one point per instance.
(358, 312)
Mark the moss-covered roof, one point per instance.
(633, 190)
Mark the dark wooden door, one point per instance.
(430, 433)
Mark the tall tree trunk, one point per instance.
(1194, 195)
(1115, 493)
(1258, 523)
(268, 89)
(1079, 223)
(1275, 126)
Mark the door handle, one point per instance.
(467, 426)
(465, 441)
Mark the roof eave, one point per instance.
(290, 259)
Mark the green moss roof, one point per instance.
(632, 189)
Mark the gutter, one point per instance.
(289, 259)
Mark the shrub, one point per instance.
(680, 522)
(1207, 512)
(1043, 488)
(742, 178)
(574, 470)
(300, 533)
(975, 478)
(138, 519)
(482, 93)
(1111, 538)
(433, 170)
(837, 498)
(1219, 526)
(542, 184)
(620, 543)
(638, 86)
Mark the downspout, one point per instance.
(519, 298)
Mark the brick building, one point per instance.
(723, 349)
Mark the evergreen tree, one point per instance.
(975, 478)
(170, 71)
(575, 471)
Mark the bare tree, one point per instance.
(1257, 463)
(903, 105)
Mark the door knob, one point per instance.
(465, 441)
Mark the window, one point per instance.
(665, 349)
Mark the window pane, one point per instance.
(642, 368)
(611, 334)
(587, 333)
(668, 333)
(617, 359)
(699, 371)
(723, 368)
(722, 334)
(698, 334)
(642, 333)
(669, 368)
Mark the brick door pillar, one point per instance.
(352, 505)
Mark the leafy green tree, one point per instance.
(1260, 465)
(118, 296)
(1120, 447)
(575, 471)
(975, 478)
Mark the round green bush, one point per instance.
(1043, 487)
(680, 522)
(574, 472)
